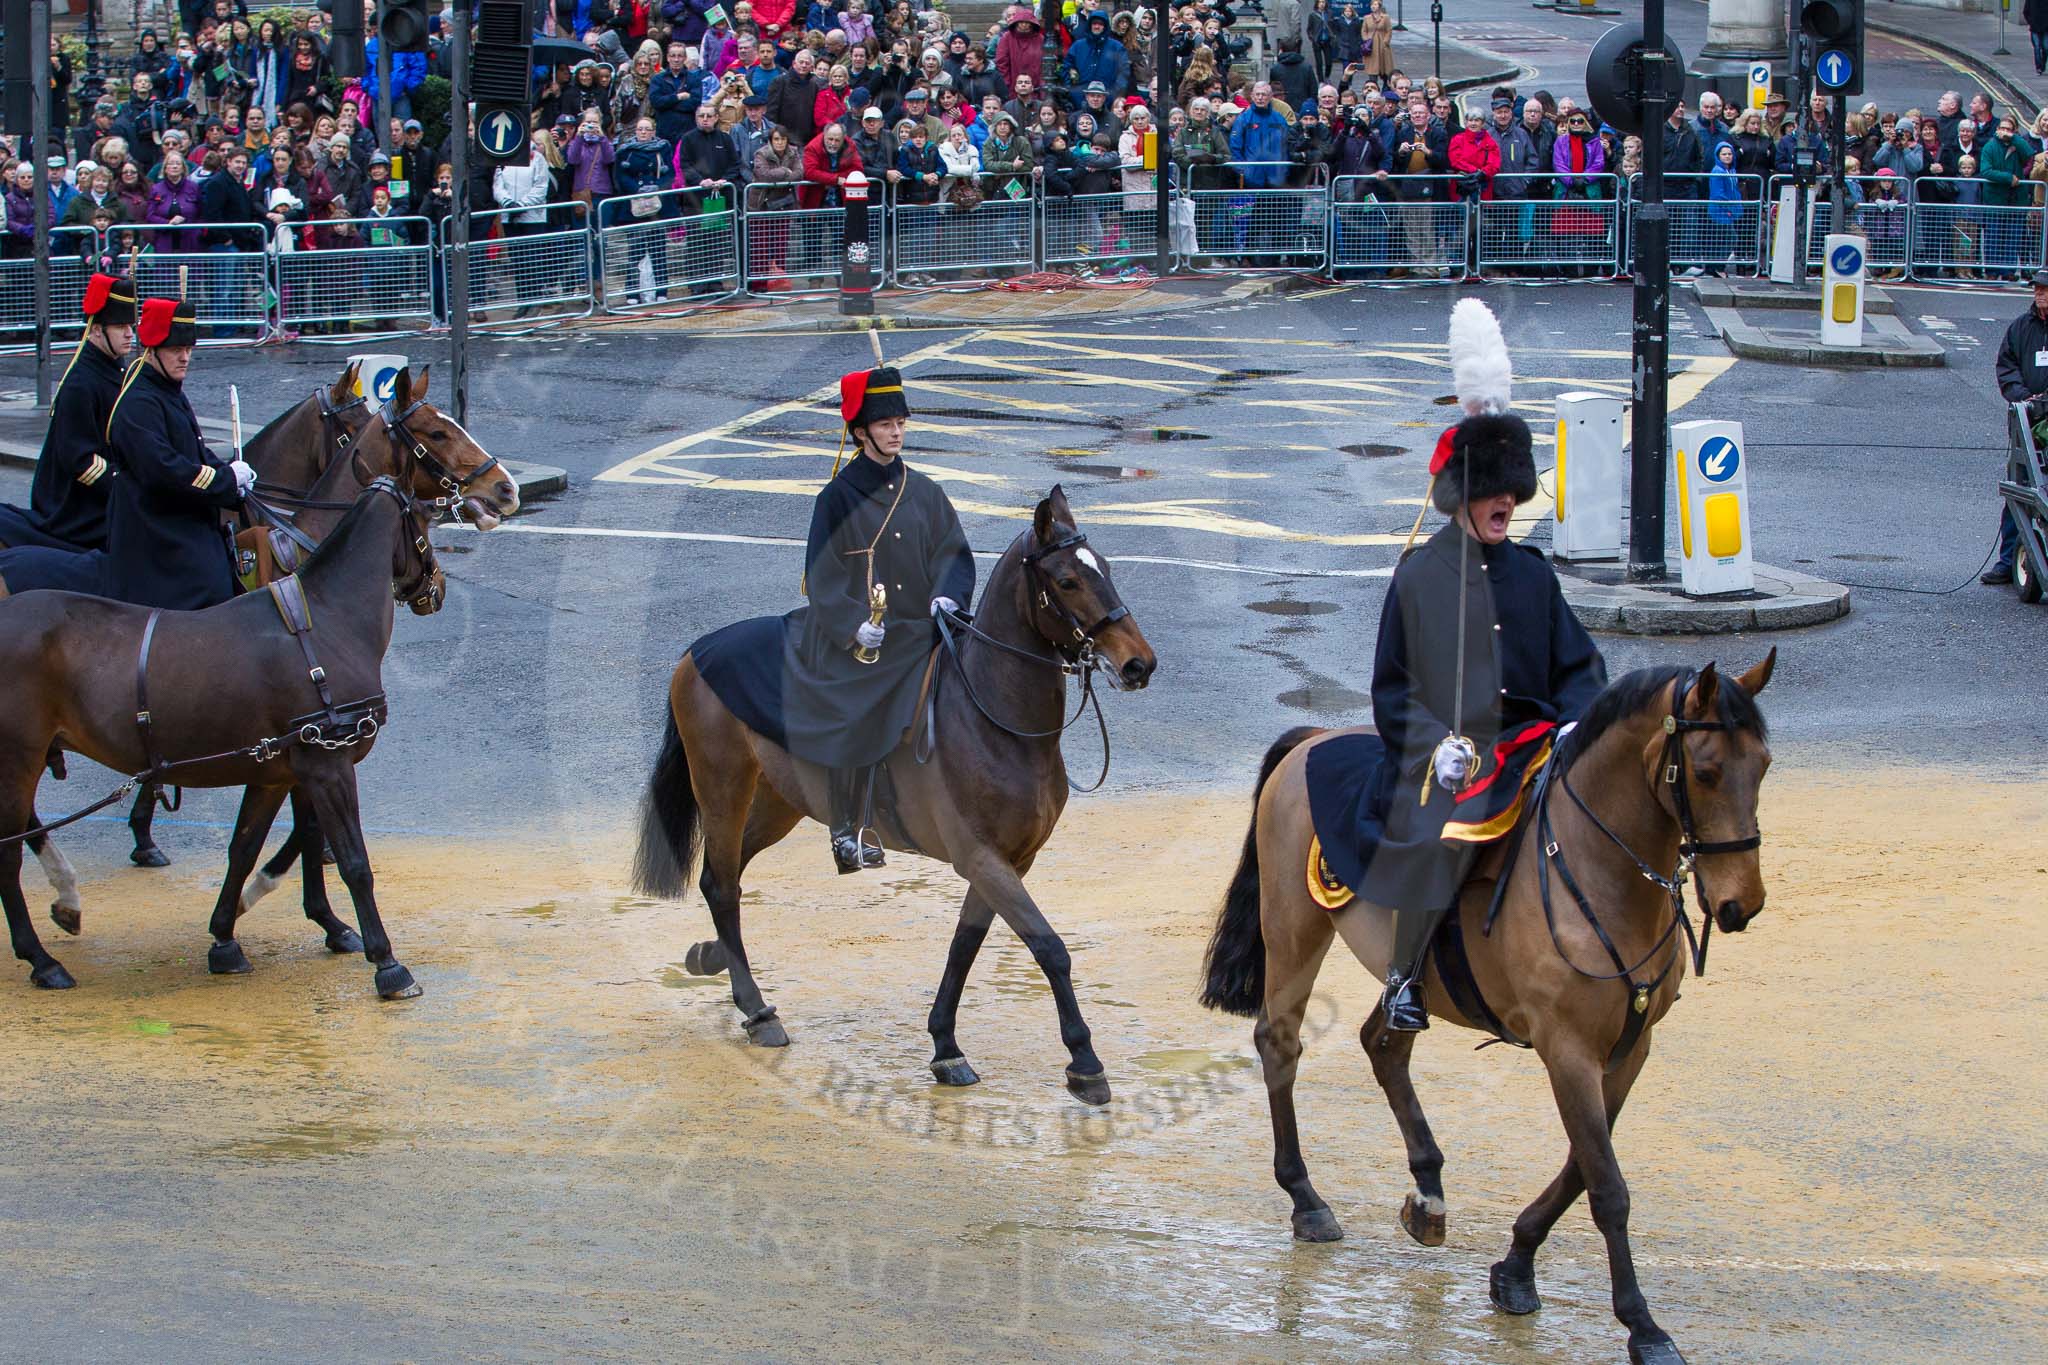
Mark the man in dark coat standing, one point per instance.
(68, 500)
(2022, 371)
(165, 543)
(793, 99)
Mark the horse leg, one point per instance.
(730, 842)
(252, 823)
(329, 781)
(1511, 1283)
(65, 912)
(265, 879)
(141, 819)
(43, 970)
(1001, 887)
(949, 1063)
(312, 878)
(1294, 954)
(1422, 1212)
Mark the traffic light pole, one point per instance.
(1162, 204)
(38, 37)
(383, 83)
(1650, 337)
(456, 259)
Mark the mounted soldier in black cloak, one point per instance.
(1479, 669)
(885, 551)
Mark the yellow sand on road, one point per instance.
(565, 1150)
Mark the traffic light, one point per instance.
(345, 42)
(1836, 28)
(402, 25)
(20, 75)
(501, 64)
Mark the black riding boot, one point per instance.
(1402, 1002)
(845, 788)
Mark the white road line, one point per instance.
(786, 542)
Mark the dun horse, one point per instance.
(986, 800)
(1659, 782)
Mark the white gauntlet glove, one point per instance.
(869, 636)
(1452, 762)
(946, 605)
(245, 477)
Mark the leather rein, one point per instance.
(1073, 656)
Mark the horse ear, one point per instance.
(1755, 680)
(1706, 690)
(420, 393)
(401, 389)
(345, 387)
(1041, 521)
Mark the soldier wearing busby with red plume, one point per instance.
(68, 501)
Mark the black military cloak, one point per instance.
(68, 500)
(1379, 812)
(166, 546)
(794, 679)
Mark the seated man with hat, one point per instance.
(68, 501)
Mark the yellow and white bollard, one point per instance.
(1712, 471)
(1586, 519)
(1841, 290)
(377, 376)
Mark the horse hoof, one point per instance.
(1088, 1089)
(954, 1071)
(51, 976)
(1424, 1225)
(705, 959)
(149, 855)
(345, 941)
(67, 918)
(227, 959)
(1317, 1225)
(1512, 1293)
(765, 1030)
(394, 982)
(1663, 1352)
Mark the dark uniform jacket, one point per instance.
(2021, 374)
(68, 500)
(836, 710)
(165, 544)
(1527, 658)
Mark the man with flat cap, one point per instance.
(68, 501)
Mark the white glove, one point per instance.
(946, 605)
(1451, 765)
(245, 477)
(1557, 740)
(869, 636)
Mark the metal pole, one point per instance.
(1162, 104)
(1436, 24)
(1838, 220)
(455, 261)
(39, 151)
(1400, 16)
(383, 83)
(2002, 50)
(1650, 334)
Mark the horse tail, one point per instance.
(670, 830)
(1236, 961)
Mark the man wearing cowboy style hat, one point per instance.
(68, 501)
(824, 681)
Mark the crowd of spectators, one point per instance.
(231, 134)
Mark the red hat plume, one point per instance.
(155, 326)
(853, 391)
(96, 291)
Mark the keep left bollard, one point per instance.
(1713, 508)
(857, 268)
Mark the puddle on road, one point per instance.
(1165, 434)
(1374, 450)
(303, 1141)
(1325, 700)
(1866, 559)
(1243, 376)
(1282, 606)
(1128, 473)
(1191, 1061)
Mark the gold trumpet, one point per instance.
(878, 602)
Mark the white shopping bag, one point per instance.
(1181, 216)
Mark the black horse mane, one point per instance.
(332, 545)
(1631, 693)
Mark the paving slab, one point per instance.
(1724, 292)
(1886, 341)
(1784, 599)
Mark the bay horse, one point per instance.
(985, 797)
(1582, 962)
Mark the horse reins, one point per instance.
(1671, 765)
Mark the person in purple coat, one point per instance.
(174, 200)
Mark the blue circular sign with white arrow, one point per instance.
(1834, 69)
(1846, 259)
(501, 131)
(1719, 459)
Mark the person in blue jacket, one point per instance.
(1097, 56)
(408, 72)
(1258, 142)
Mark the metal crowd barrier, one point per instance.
(673, 248)
(1410, 223)
(531, 268)
(70, 267)
(790, 249)
(228, 284)
(1721, 234)
(1097, 230)
(1580, 228)
(1265, 227)
(932, 239)
(361, 273)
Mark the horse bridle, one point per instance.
(1049, 599)
(453, 487)
(330, 419)
(1671, 766)
(421, 590)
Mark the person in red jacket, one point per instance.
(1475, 157)
(828, 160)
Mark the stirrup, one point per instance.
(1402, 1005)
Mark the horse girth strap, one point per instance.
(288, 595)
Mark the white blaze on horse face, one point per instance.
(485, 514)
(1087, 556)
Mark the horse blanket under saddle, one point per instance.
(1350, 792)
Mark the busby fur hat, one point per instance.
(1488, 453)
(109, 299)
(167, 322)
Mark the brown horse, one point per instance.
(985, 801)
(1584, 959)
(235, 683)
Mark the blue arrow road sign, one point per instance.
(385, 385)
(1834, 69)
(502, 133)
(1847, 259)
(1719, 459)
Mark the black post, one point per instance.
(455, 261)
(857, 267)
(38, 37)
(1838, 220)
(1162, 105)
(1436, 24)
(383, 83)
(1400, 16)
(1651, 341)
